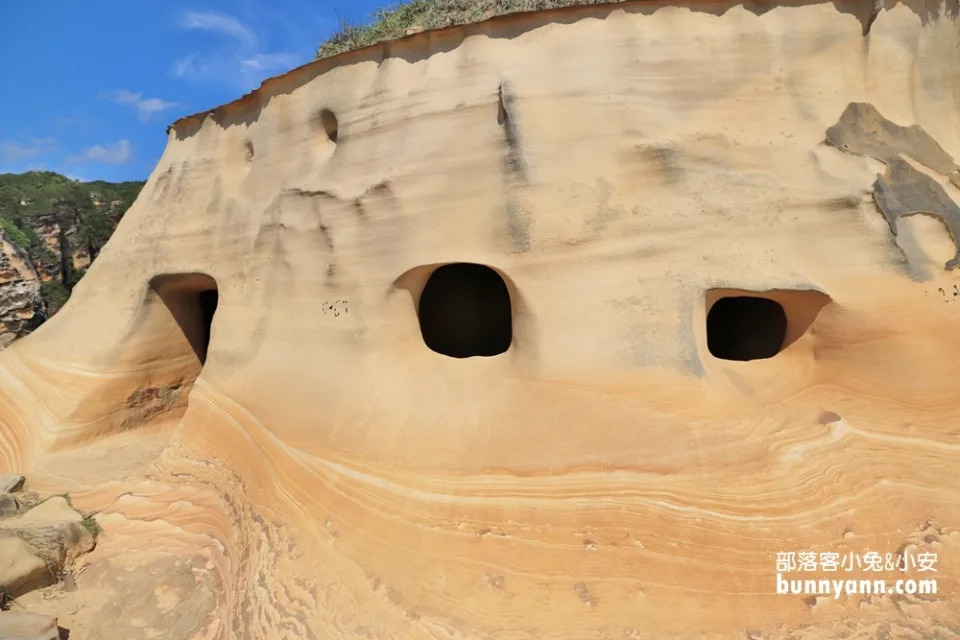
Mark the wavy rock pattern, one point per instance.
(298, 464)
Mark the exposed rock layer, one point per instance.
(60, 224)
(21, 306)
(325, 474)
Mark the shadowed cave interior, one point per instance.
(746, 328)
(465, 311)
(192, 301)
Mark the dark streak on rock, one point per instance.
(161, 187)
(842, 204)
(514, 170)
(307, 193)
(359, 208)
(585, 595)
(605, 211)
(506, 117)
(327, 238)
(862, 130)
(867, 20)
(665, 159)
(903, 191)
(827, 417)
(518, 223)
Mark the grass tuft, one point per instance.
(91, 524)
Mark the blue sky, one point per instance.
(89, 87)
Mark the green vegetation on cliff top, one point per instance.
(95, 207)
(38, 192)
(392, 23)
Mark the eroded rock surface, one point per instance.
(39, 540)
(249, 388)
(10, 482)
(16, 625)
(21, 306)
(902, 190)
(21, 567)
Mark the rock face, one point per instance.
(574, 324)
(55, 230)
(21, 306)
(60, 225)
(10, 482)
(38, 540)
(16, 625)
(21, 567)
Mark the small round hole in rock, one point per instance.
(465, 311)
(746, 328)
(328, 122)
(248, 152)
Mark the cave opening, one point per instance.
(329, 124)
(465, 311)
(192, 300)
(746, 328)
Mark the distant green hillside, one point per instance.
(86, 213)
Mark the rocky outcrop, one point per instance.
(18, 625)
(21, 305)
(39, 539)
(574, 324)
(57, 231)
(61, 224)
(10, 482)
(21, 567)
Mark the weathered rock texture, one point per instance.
(240, 385)
(16, 625)
(21, 306)
(55, 230)
(60, 225)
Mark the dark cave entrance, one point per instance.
(465, 311)
(207, 300)
(746, 328)
(192, 301)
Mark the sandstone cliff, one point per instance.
(21, 306)
(562, 325)
(60, 225)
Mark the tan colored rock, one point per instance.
(709, 337)
(10, 482)
(54, 530)
(9, 505)
(55, 230)
(17, 625)
(21, 567)
(57, 544)
(51, 511)
(21, 307)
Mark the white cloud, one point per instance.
(219, 23)
(11, 151)
(117, 153)
(238, 58)
(270, 61)
(146, 107)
